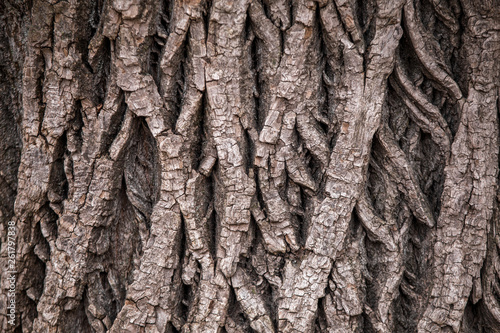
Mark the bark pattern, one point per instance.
(247, 165)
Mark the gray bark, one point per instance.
(250, 166)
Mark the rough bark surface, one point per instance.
(250, 165)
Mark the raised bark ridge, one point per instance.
(239, 166)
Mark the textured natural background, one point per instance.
(251, 165)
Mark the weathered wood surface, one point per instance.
(251, 166)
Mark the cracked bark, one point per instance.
(248, 165)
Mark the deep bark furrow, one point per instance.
(424, 113)
(429, 53)
(399, 168)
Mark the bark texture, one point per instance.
(251, 165)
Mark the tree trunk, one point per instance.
(250, 166)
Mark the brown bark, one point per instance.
(240, 166)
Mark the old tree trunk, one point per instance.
(250, 165)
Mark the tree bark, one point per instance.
(250, 166)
